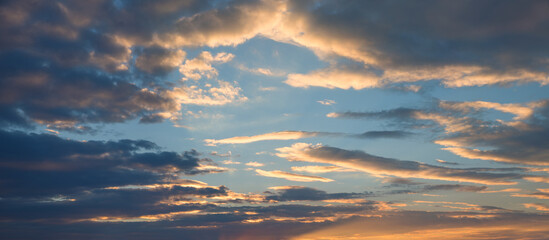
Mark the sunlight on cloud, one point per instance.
(379, 166)
(292, 176)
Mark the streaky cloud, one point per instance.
(292, 176)
(380, 166)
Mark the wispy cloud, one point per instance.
(254, 164)
(321, 169)
(292, 176)
(326, 102)
(380, 166)
(283, 135)
(508, 141)
(537, 206)
(293, 135)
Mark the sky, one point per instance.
(274, 119)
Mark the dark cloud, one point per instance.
(298, 193)
(412, 187)
(400, 181)
(384, 134)
(231, 226)
(46, 165)
(157, 60)
(455, 187)
(36, 90)
(397, 113)
(126, 203)
(498, 34)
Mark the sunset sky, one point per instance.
(274, 119)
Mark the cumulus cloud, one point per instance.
(380, 166)
(156, 60)
(416, 47)
(201, 66)
(224, 93)
(63, 98)
(107, 35)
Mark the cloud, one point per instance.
(321, 169)
(518, 141)
(47, 165)
(395, 181)
(156, 60)
(540, 194)
(293, 135)
(326, 102)
(521, 112)
(201, 66)
(334, 78)
(224, 93)
(254, 164)
(417, 46)
(446, 162)
(226, 26)
(261, 71)
(537, 206)
(63, 98)
(379, 166)
(397, 113)
(456, 187)
(283, 135)
(230, 162)
(300, 193)
(384, 134)
(358, 78)
(436, 225)
(292, 176)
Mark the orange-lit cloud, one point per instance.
(540, 194)
(283, 135)
(201, 66)
(431, 226)
(537, 206)
(379, 166)
(224, 93)
(321, 169)
(292, 176)
(334, 78)
(254, 164)
(520, 111)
